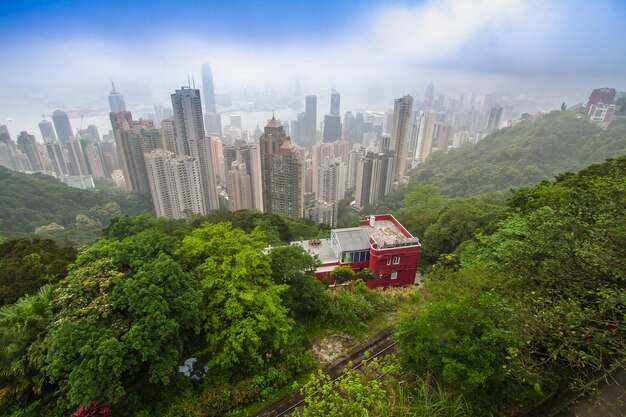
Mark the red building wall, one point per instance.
(405, 269)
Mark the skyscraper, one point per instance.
(212, 119)
(310, 128)
(429, 97)
(28, 146)
(400, 132)
(77, 164)
(133, 139)
(349, 128)
(425, 135)
(331, 180)
(47, 131)
(208, 89)
(332, 128)
(55, 153)
(374, 178)
(335, 103)
(175, 184)
(247, 154)
(240, 187)
(62, 126)
(116, 100)
(192, 141)
(282, 172)
(493, 122)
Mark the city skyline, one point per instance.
(373, 51)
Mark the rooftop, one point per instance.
(352, 239)
(387, 234)
(319, 247)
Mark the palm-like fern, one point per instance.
(21, 344)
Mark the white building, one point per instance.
(175, 184)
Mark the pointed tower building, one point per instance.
(282, 172)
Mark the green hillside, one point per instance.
(28, 202)
(522, 155)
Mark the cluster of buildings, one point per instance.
(74, 158)
(187, 161)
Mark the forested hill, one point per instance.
(31, 201)
(522, 155)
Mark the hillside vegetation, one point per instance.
(28, 202)
(521, 155)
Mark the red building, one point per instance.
(380, 243)
(601, 95)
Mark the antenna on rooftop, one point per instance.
(194, 82)
(188, 81)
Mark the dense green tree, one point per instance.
(460, 221)
(305, 296)
(22, 331)
(564, 249)
(246, 321)
(421, 209)
(342, 274)
(27, 264)
(466, 343)
(124, 316)
(30, 201)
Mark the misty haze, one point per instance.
(313, 208)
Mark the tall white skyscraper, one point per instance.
(331, 180)
(426, 134)
(400, 133)
(192, 141)
(175, 184)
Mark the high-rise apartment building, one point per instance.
(116, 100)
(77, 164)
(282, 172)
(57, 158)
(168, 134)
(27, 144)
(374, 179)
(310, 121)
(47, 131)
(192, 141)
(248, 154)
(95, 160)
(239, 187)
(133, 139)
(62, 126)
(175, 184)
(493, 122)
(426, 134)
(354, 156)
(400, 133)
(331, 183)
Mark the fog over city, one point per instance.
(546, 52)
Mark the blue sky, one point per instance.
(242, 20)
(63, 52)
